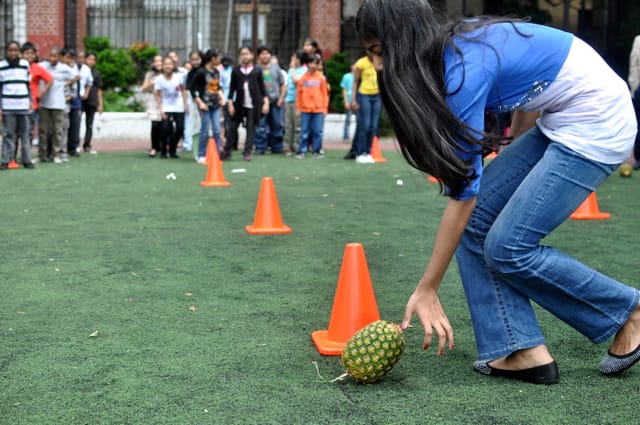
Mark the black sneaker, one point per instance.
(174, 156)
(350, 155)
(30, 166)
(4, 166)
(224, 156)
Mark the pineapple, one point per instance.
(373, 351)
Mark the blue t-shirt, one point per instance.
(500, 71)
(291, 86)
(347, 83)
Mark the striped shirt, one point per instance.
(14, 86)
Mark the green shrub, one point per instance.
(142, 53)
(335, 67)
(121, 101)
(120, 68)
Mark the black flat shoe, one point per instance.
(545, 374)
(613, 364)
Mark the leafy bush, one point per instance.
(119, 67)
(142, 53)
(121, 101)
(335, 67)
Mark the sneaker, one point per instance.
(64, 157)
(4, 166)
(350, 155)
(361, 159)
(318, 155)
(202, 160)
(225, 156)
(29, 166)
(174, 156)
(300, 156)
(370, 159)
(35, 160)
(163, 156)
(57, 160)
(288, 154)
(246, 156)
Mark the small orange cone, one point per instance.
(589, 210)
(267, 220)
(491, 155)
(215, 175)
(13, 164)
(376, 154)
(433, 179)
(354, 306)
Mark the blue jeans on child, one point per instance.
(526, 192)
(311, 125)
(270, 130)
(367, 120)
(209, 120)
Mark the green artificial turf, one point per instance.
(130, 298)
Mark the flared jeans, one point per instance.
(526, 192)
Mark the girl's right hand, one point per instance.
(232, 111)
(425, 304)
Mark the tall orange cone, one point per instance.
(13, 164)
(376, 154)
(215, 175)
(589, 210)
(268, 220)
(354, 306)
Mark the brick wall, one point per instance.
(325, 21)
(45, 24)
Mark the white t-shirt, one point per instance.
(581, 108)
(171, 92)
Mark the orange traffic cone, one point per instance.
(433, 179)
(268, 220)
(491, 155)
(375, 151)
(589, 210)
(215, 175)
(13, 164)
(354, 306)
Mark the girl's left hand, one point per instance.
(425, 304)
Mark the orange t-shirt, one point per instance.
(37, 74)
(312, 96)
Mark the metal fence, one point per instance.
(169, 24)
(6, 23)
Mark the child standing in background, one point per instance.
(347, 90)
(172, 101)
(15, 105)
(312, 101)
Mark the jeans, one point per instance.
(269, 132)
(526, 192)
(90, 113)
(73, 138)
(311, 125)
(209, 119)
(292, 126)
(347, 124)
(368, 119)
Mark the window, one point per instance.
(245, 23)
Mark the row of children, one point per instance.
(51, 95)
(261, 96)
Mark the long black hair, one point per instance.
(414, 37)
